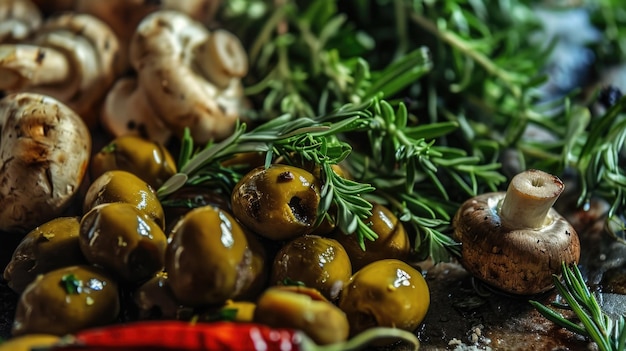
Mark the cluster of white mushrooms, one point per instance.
(128, 67)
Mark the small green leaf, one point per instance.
(71, 284)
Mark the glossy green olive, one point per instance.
(257, 270)
(122, 186)
(52, 245)
(392, 242)
(66, 300)
(187, 198)
(387, 293)
(302, 309)
(155, 299)
(206, 256)
(279, 202)
(318, 262)
(147, 159)
(122, 239)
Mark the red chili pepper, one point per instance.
(215, 336)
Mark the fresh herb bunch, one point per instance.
(608, 333)
(441, 89)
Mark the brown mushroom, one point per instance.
(71, 58)
(44, 153)
(189, 76)
(514, 240)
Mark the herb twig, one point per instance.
(608, 333)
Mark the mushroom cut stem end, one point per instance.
(529, 197)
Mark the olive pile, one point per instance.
(253, 255)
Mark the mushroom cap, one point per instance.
(92, 49)
(18, 20)
(44, 152)
(515, 260)
(123, 16)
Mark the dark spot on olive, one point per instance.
(299, 211)
(285, 177)
(131, 125)
(486, 218)
(253, 205)
(222, 108)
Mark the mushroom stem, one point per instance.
(528, 199)
(23, 66)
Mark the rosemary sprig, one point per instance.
(450, 86)
(608, 333)
(311, 139)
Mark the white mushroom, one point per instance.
(23, 66)
(18, 19)
(44, 153)
(126, 112)
(191, 77)
(123, 16)
(71, 58)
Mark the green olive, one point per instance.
(279, 202)
(206, 256)
(392, 242)
(29, 342)
(302, 309)
(189, 197)
(66, 300)
(122, 239)
(257, 270)
(387, 293)
(318, 262)
(155, 299)
(147, 159)
(52, 245)
(122, 186)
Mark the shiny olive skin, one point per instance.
(257, 270)
(392, 242)
(66, 300)
(387, 293)
(206, 256)
(303, 309)
(29, 342)
(155, 299)
(279, 202)
(122, 239)
(318, 262)
(122, 186)
(187, 198)
(147, 159)
(52, 245)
